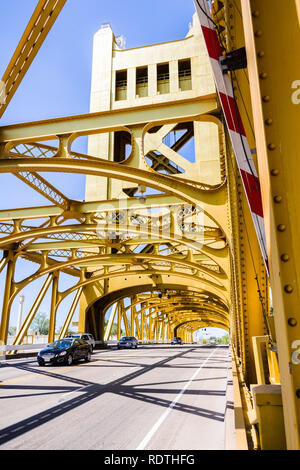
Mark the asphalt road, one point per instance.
(153, 398)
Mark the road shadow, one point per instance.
(118, 387)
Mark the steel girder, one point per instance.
(120, 249)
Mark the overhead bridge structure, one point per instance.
(164, 243)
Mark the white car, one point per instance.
(85, 336)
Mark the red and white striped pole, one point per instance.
(234, 124)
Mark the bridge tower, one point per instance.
(159, 75)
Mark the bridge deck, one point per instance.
(155, 397)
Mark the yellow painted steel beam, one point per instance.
(3, 263)
(110, 321)
(43, 187)
(194, 299)
(17, 236)
(186, 192)
(78, 208)
(64, 329)
(5, 315)
(273, 74)
(212, 202)
(42, 20)
(52, 319)
(138, 278)
(215, 278)
(30, 316)
(108, 121)
(254, 305)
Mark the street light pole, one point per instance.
(21, 300)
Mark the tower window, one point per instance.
(185, 74)
(163, 78)
(121, 85)
(142, 81)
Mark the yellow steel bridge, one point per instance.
(186, 254)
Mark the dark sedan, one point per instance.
(176, 340)
(65, 351)
(128, 342)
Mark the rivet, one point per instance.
(255, 13)
(281, 227)
(258, 33)
(288, 289)
(275, 172)
(266, 98)
(292, 321)
(298, 393)
(277, 199)
(271, 146)
(263, 75)
(261, 54)
(269, 121)
(285, 257)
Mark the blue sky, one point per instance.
(58, 81)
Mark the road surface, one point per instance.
(157, 397)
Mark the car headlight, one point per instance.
(63, 353)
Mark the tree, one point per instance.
(223, 339)
(114, 329)
(12, 330)
(40, 323)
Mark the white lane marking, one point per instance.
(73, 391)
(158, 423)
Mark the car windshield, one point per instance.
(60, 344)
(126, 338)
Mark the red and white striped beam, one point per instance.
(234, 124)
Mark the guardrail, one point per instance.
(38, 346)
(30, 347)
(11, 347)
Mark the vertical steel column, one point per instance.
(124, 316)
(11, 262)
(248, 262)
(3, 263)
(69, 317)
(53, 308)
(110, 321)
(272, 37)
(119, 317)
(142, 331)
(132, 332)
(27, 322)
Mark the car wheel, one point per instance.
(88, 357)
(70, 360)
